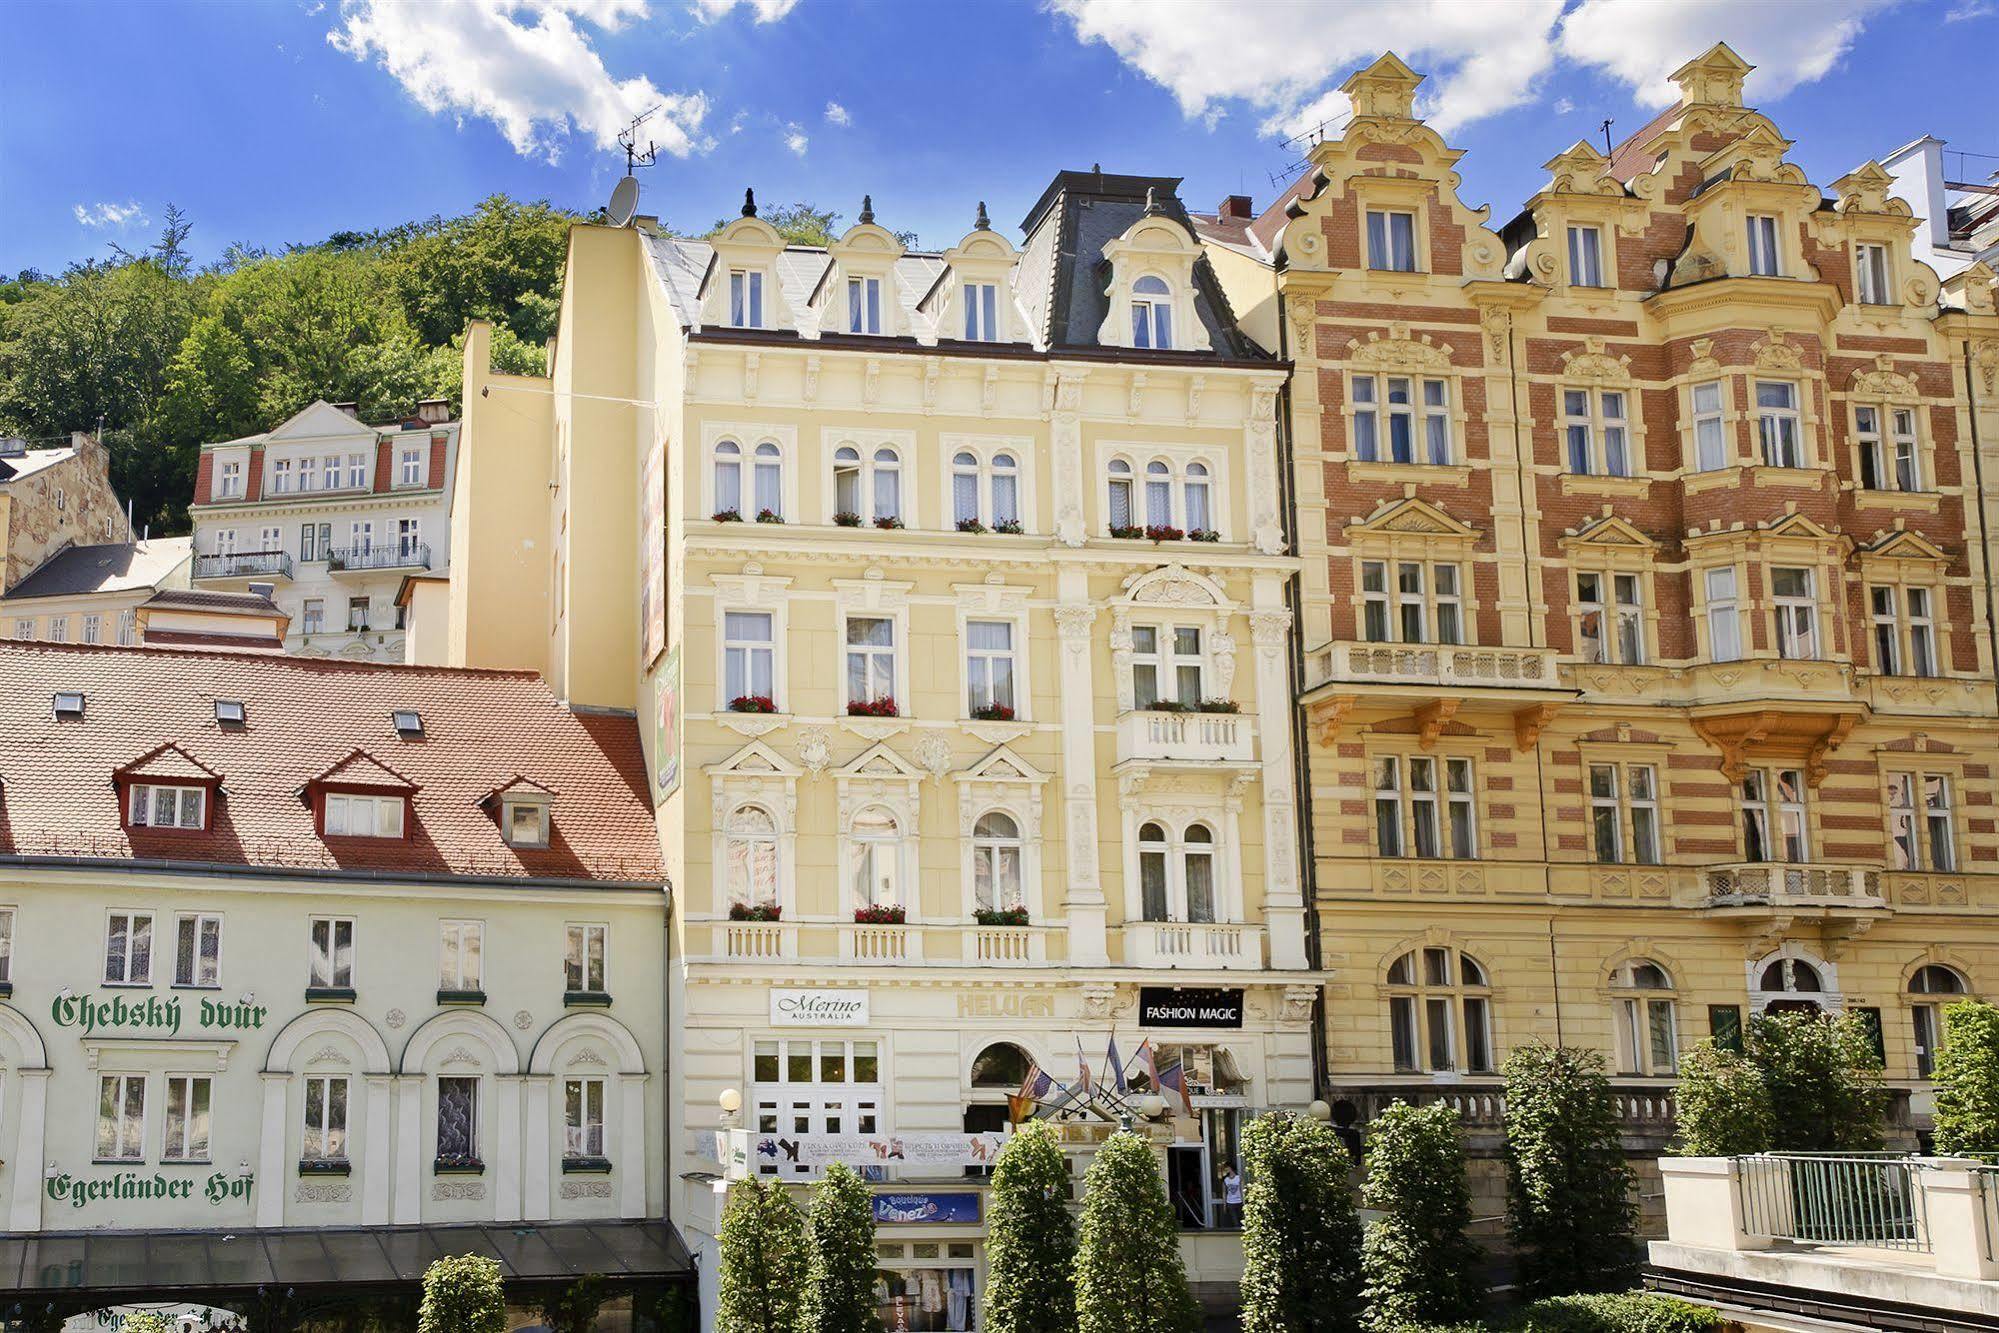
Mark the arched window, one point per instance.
(888, 484)
(965, 487)
(1178, 878)
(1787, 984)
(750, 857)
(1152, 853)
(1001, 1065)
(985, 493)
(770, 479)
(1194, 491)
(1926, 1013)
(1120, 510)
(847, 483)
(1005, 490)
(996, 877)
(1198, 858)
(1440, 1011)
(874, 854)
(1152, 313)
(1158, 494)
(1647, 1031)
(728, 478)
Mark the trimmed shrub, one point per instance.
(1300, 1240)
(1030, 1237)
(1129, 1277)
(1622, 1312)
(1568, 1191)
(573, 1308)
(1417, 1264)
(763, 1260)
(1724, 1104)
(1967, 1079)
(840, 1257)
(1824, 1080)
(145, 1321)
(461, 1294)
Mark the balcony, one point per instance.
(1204, 739)
(1194, 945)
(880, 944)
(1005, 946)
(1771, 888)
(1440, 666)
(243, 565)
(756, 941)
(395, 556)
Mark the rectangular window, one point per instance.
(746, 299)
(1388, 806)
(1796, 607)
(410, 467)
(1585, 257)
(1606, 819)
(128, 949)
(981, 312)
(308, 541)
(121, 1118)
(153, 806)
(1397, 419)
(229, 481)
(1710, 434)
(93, 629)
(989, 664)
(189, 1097)
(1391, 241)
(1773, 816)
(1614, 633)
(1871, 266)
(1458, 797)
(312, 619)
(357, 472)
(198, 949)
(1724, 625)
(58, 629)
(1763, 245)
(1919, 821)
(128, 628)
(583, 959)
(1417, 816)
(325, 1137)
(749, 655)
(460, 944)
(409, 537)
(331, 940)
(583, 1118)
(281, 476)
(1597, 432)
(1928, 1035)
(363, 816)
(870, 659)
(1922, 632)
(1624, 813)
(6, 944)
(24, 629)
(457, 1121)
(1647, 1044)
(824, 1087)
(1890, 460)
(864, 305)
(308, 474)
(1777, 423)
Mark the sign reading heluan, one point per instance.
(149, 1014)
(819, 1008)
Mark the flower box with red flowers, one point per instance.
(1001, 916)
(728, 516)
(1010, 526)
(882, 707)
(970, 525)
(756, 912)
(847, 519)
(888, 522)
(992, 713)
(769, 516)
(1218, 706)
(881, 915)
(753, 703)
(1127, 533)
(1163, 532)
(1203, 535)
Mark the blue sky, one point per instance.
(284, 121)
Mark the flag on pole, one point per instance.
(1037, 1083)
(1150, 1059)
(1083, 1079)
(1176, 1079)
(1117, 1066)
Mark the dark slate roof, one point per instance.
(208, 599)
(109, 567)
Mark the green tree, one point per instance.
(1568, 1191)
(503, 262)
(1724, 1104)
(798, 224)
(211, 385)
(1824, 1080)
(573, 1307)
(462, 1294)
(1967, 1079)
(1417, 1263)
(840, 1257)
(95, 345)
(763, 1260)
(1030, 1237)
(1300, 1240)
(1129, 1275)
(145, 1321)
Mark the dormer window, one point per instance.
(981, 312)
(68, 704)
(352, 816)
(229, 481)
(746, 298)
(1763, 245)
(524, 822)
(1585, 257)
(864, 305)
(159, 806)
(1152, 314)
(1391, 241)
(1871, 266)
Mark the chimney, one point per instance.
(13, 446)
(434, 411)
(1234, 208)
(351, 409)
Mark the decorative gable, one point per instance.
(1713, 78)
(1903, 547)
(1581, 170)
(748, 245)
(321, 420)
(361, 772)
(1385, 90)
(1411, 517)
(1000, 777)
(755, 773)
(176, 790)
(1609, 530)
(1157, 248)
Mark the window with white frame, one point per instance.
(1774, 826)
(1426, 605)
(1648, 1043)
(997, 885)
(981, 312)
(1585, 256)
(1794, 601)
(121, 1118)
(330, 952)
(460, 947)
(189, 1098)
(1919, 821)
(1624, 813)
(750, 857)
(1120, 510)
(874, 858)
(24, 628)
(1932, 987)
(128, 628)
(1391, 240)
(749, 657)
(457, 1121)
(1710, 433)
(128, 949)
(746, 298)
(409, 537)
(1169, 663)
(281, 477)
(583, 1119)
(229, 481)
(1176, 494)
(864, 305)
(1417, 815)
(1777, 426)
(989, 668)
(1613, 629)
(1762, 235)
(1400, 419)
(308, 474)
(1870, 264)
(324, 1138)
(58, 629)
(1724, 615)
(1598, 434)
(870, 659)
(985, 492)
(225, 541)
(350, 816)
(93, 629)
(1905, 642)
(1152, 313)
(802, 1086)
(357, 471)
(198, 949)
(6, 944)
(870, 489)
(1889, 460)
(583, 958)
(1176, 872)
(409, 467)
(728, 477)
(1440, 1012)
(312, 615)
(156, 805)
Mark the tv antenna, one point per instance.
(628, 139)
(1608, 149)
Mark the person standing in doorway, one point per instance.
(1231, 1197)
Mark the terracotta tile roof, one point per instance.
(308, 718)
(361, 769)
(1630, 158)
(167, 763)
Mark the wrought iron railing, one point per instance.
(1871, 1201)
(396, 555)
(244, 564)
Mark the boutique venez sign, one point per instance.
(1173, 1007)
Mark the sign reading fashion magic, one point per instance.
(1174, 1007)
(151, 1014)
(140, 1186)
(819, 1008)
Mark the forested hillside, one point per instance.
(167, 355)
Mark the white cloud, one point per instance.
(763, 11)
(1970, 9)
(794, 138)
(522, 64)
(1563, 106)
(1641, 42)
(837, 114)
(111, 215)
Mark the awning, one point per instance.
(158, 1264)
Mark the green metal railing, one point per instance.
(1871, 1201)
(1986, 1179)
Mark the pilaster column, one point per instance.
(25, 1214)
(1062, 397)
(1075, 616)
(538, 1190)
(271, 1151)
(378, 1147)
(408, 1192)
(632, 1166)
(507, 1170)
(1283, 898)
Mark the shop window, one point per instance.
(802, 1086)
(927, 1285)
(1440, 1012)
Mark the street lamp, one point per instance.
(1318, 1110)
(731, 1102)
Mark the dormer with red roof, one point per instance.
(360, 797)
(167, 788)
(526, 812)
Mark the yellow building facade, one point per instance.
(1646, 601)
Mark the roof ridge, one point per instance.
(275, 659)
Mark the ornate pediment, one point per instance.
(1175, 585)
(1904, 545)
(1398, 351)
(1713, 78)
(1800, 526)
(1581, 170)
(754, 760)
(1758, 155)
(1412, 516)
(1609, 530)
(1774, 351)
(1001, 764)
(1865, 190)
(1385, 89)
(1884, 381)
(1594, 363)
(879, 761)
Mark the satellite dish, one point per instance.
(624, 202)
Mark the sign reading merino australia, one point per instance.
(1172, 1007)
